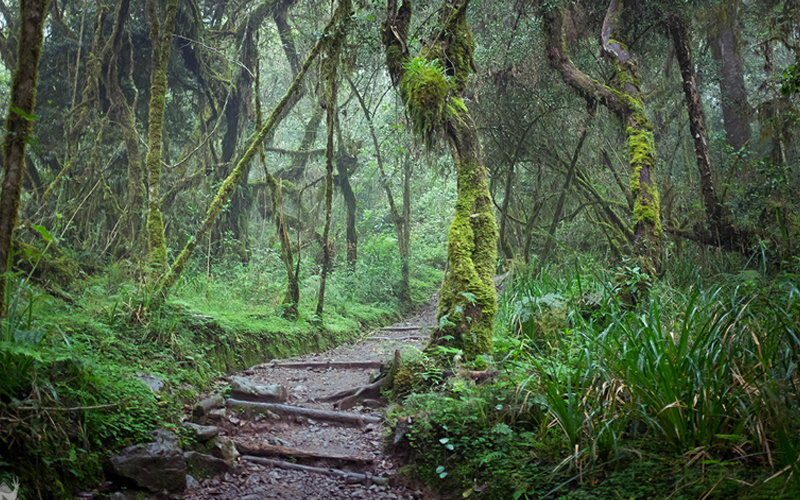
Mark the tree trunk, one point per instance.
(725, 50)
(622, 97)
(468, 300)
(162, 43)
(19, 125)
(330, 66)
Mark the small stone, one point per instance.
(218, 413)
(225, 449)
(156, 384)
(234, 420)
(191, 482)
(202, 433)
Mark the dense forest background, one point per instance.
(210, 183)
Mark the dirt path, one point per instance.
(340, 455)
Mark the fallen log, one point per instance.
(409, 337)
(348, 477)
(356, 419)
(269, 450)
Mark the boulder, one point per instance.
(156, 466)
(244, 389)
(202, 433)
(201, 465)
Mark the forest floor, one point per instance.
(343, 459)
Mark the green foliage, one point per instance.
(695, 386)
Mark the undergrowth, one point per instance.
(72, 389)
(692, 395)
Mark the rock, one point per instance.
(201, 465)
(225, 449)
(202, 433)
(204, 407)
(276, 441)
(218, 413)
(156, 466)
(372, 403)
(156, 384)
(244, 389)
(191, 482)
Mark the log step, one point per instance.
(348, 477)
(268, 450)
(354, 419)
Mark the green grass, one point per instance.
(692, 395)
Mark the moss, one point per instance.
(424, 89)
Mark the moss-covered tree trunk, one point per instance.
(162, 43)
(19, 124)
(329, 68)
(623, 96)
(431, 86)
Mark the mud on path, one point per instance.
(335, 451)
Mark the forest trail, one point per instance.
(333, 451)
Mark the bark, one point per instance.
(330, 66)
(468, 299)
(19, 125)
(230, 183)
(735, 108)
(162, 43)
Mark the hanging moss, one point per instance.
(424, 88)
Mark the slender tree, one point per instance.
(162, 42)
(19, 124)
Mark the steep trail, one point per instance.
(315, 445)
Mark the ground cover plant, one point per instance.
(691, 395)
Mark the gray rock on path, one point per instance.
(202, 433)
(206, 406)
(201, 465)
(156, 466)
(225, 449)
(245, 389)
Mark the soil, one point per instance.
(329, 445)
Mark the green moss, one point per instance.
(424, 90)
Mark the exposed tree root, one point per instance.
(348, 398)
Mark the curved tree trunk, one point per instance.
(162, 43)
(19, 124)
(623, 97)
(468, 300)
